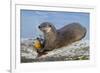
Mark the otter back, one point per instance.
(63, 36)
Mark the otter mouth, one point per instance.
(42, 29)
(48, 30)
(45, 29)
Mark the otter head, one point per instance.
(46, 27)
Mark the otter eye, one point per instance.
(49, 25)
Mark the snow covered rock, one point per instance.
(75, 51)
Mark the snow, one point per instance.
(77, 50)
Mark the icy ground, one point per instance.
(76, 51)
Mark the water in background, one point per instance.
(31, 19)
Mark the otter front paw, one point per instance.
(41, 52)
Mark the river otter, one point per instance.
(62, 37)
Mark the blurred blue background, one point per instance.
(31, 19)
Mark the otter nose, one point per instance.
(39, 26)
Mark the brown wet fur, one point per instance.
(58, 38)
